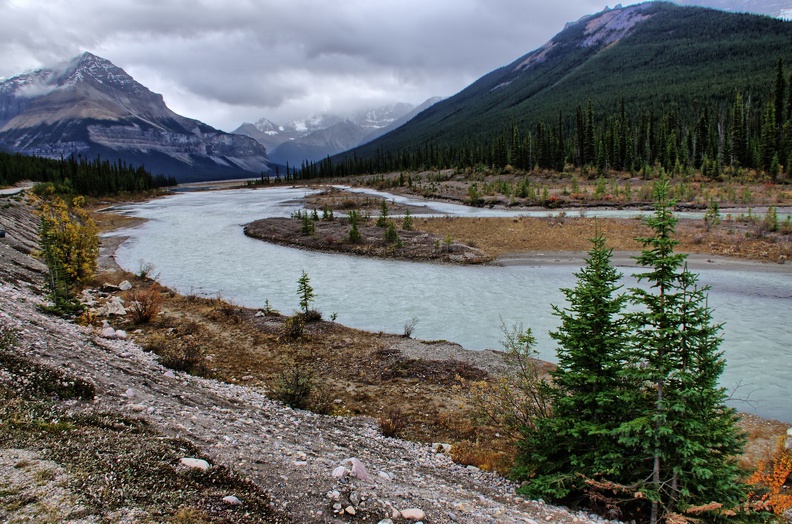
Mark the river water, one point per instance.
(196, 243)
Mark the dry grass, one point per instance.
(501, 236)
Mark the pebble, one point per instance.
(125, 285)
(340, 472)
(121, 334)
(109, 333)
(137, 408)
(350, 510)
(232, 500)
(170, 374)
(129, 393)
(413, 514)
(385, 521)
(195, 463)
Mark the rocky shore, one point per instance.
(315, 468)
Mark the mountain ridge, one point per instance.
(88, 106)
(654, 55)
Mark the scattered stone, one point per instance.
(129, 393)
(334, 495)
(384, 476)
(125, 354)
(125, 285)
(247, 378)
(350, 510)
(354, 498)
(195, 463)
(259, 314)
(121, 334)
(358, 470)
(413, 514)
(232, 500)
(385, 521)
(340, 472)
(441, 447)
(137, 408)
(109, 332)
(474, 469)
(170, 374)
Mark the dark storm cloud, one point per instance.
(229, 62)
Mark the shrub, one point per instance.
(772, 479)
(295, 382)
(409, 327)
(392, 422)
(145, 305)
(293, 328)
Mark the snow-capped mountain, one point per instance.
(91, 107)
(318, 136)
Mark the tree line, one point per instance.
(747, 134)
(80, 175)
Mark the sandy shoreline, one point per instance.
(624, 259)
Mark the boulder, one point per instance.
(110, 333)
(125, 285)
(357, 470)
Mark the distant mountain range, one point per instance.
(91, 107)
(317, 137)
(654, 57)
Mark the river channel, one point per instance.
(196, 243)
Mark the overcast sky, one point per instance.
(230, 61)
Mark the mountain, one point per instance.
(654, 56)
(91, 107)
(316, 137)
(401, 121)
(319, 144)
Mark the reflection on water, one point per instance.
(197, 245)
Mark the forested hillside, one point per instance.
(684, 88)
(80, 175)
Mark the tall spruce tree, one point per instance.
(578, 442)
(688, 436)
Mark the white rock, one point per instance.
(413, 514)
(358, 470)
(129, 393)
(385, 521)
(232, 500)
(109, 332)
(340, 472)
(788, 444)
(195, 463)
(350, 510)
(125, 285)
(170, 374)
(121, 334)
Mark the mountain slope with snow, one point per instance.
(91, 107)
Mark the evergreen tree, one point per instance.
(688, 436)
(578, 442)
(305, 293)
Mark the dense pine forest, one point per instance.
(748, 133)
(80, 175)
